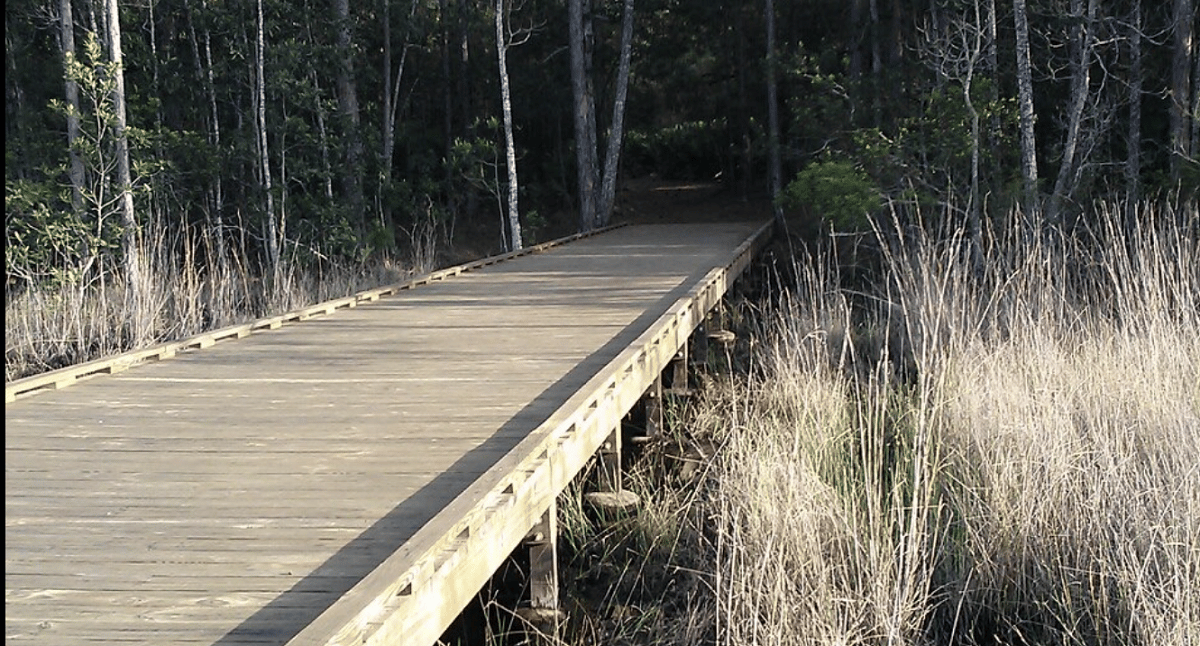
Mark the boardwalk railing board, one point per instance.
(417, 592)
(63, 377)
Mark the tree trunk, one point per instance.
(347, 90)
(776, 163)
(391, 102)
(585, 115)
(975, 48)
(154, 76)
(992, 62)
(991, 56)
(281, 231)
(896, 40)
(612, 153)
(464, 70)
(470, 203)
(323, 136)
(1184, 21)
(1133, 163)
(856, 36)
(1029, 169)
(876, 63)
(1064, 187)
(387, 128)
(447, 79)
(975, 205)
(216, 224)
(71, 89)
(272, 233)
(1196, 106)
(876, 37)
(129, 237)
(510, 149)
(155, 196)
(744, 106)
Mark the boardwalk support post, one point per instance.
(652, 402)
(679, 373)
(699, 342)
(610, 496)
(543, 614)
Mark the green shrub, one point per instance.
(835, 191)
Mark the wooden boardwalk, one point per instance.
(353, 478)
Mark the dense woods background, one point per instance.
(305, 131)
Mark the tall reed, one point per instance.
(991, 449)
(184, 291)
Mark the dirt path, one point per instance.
(649, 200)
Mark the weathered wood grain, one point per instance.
(277, 487)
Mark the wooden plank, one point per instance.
(61, 378)
(394, 447)
(418, 591)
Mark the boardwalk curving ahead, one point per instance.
(350, 479)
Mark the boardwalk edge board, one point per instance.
(63, 377)
(417, 592)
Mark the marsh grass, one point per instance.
(995, 452)
(86, 314)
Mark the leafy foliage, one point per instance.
(836, 192)
(45, 236)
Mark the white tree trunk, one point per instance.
(218, 223)
(992, 64)
(1064, 186)
(1184, 19)
(391, 97)
(272, 233)
(281, 232)
(387, 129)
(129, 238)
(612, 153)
(204, 73)
(214, 232)
(974, 49)
(993, 45)
(510, 148)
(1025, 101)
(1196, 107)
(323, 137)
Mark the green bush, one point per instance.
(835, 191)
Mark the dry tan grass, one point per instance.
(1002, 453)
(56, 324)
(1038, 482)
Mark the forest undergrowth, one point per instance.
(994, 451)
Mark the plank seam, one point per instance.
(70, 375)
(368, 614)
